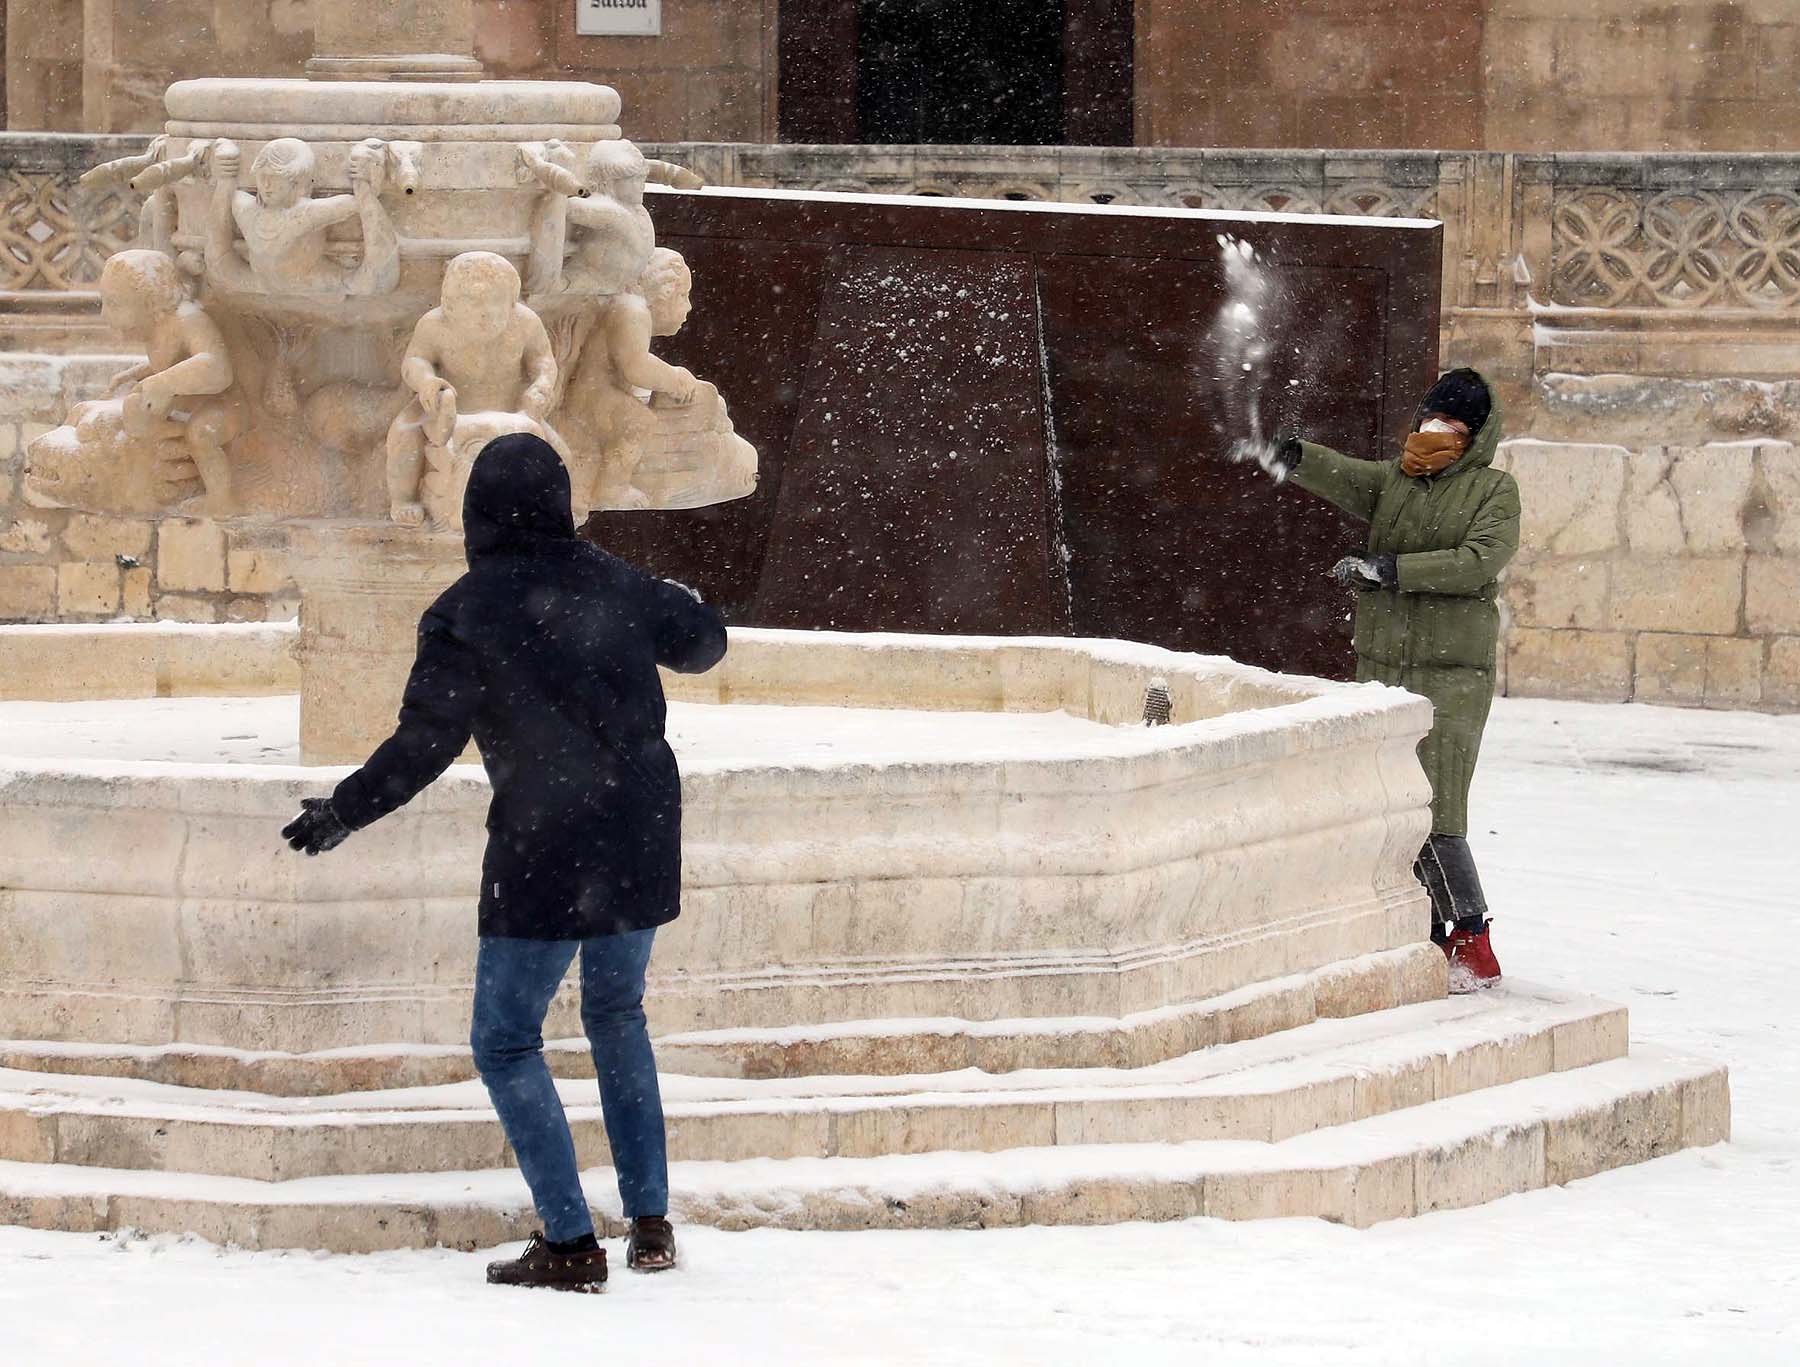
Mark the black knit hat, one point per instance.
(1460, 394)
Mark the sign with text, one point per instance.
(631, 17)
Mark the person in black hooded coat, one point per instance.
(546, 653)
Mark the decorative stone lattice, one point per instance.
(55, 235)
(1677, 249)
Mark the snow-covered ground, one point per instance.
(1647, 855)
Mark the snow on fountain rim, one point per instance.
(1318, 713)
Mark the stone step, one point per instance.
(1315, 1076)
(1446, 1154)
(1373, 982)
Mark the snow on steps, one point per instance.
(1321, 1075)
(1455, 1152)
(1350, 987)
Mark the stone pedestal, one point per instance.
(397, 40)
(362, 589)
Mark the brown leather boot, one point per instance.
(650, 1247)
(583, 1268)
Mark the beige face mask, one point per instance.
(1435, 447)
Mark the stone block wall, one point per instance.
(1669, 574)
(1649, 75)
(57, 565)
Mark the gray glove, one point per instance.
(1367, 572)
(318, 827)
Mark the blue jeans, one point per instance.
(515, 981)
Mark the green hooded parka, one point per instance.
(1451, 534)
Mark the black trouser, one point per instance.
(1447, 869)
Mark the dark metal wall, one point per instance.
(1014, 420)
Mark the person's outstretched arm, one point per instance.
(1344, 481)
(1492, 541)
(436, 717)
(689, 634)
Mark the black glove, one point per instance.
(1279, 458)
(1367, 572)
(318, 827)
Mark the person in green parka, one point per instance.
(1443, 523)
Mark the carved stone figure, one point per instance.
(592, 234)
(185, 387)
(153, 175)
(479, 365)
(284, 227)
(170, 417)
(647, 433)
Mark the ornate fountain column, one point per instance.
(394, 40)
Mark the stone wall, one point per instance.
(1650, 75)
(63, 566)
(1527, 75)
(1667, 574)
(1640, 315)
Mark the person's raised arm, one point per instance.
(1343, 481)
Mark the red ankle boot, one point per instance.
(1472, 962)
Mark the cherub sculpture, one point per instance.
(185, 387)
(165, 428)
(284, 227)
(592, 234)
(649, 433)
(479, 365)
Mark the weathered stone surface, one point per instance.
(1733, 671)
(134, 594)
(1593, 665)
(190, 555)
(257, 569)
(1570, 496)
(1772, 595)
(1635, 1128)
(1670, 669)
(86, 589)
(1781, 679)
(1688, 500)
(1705, 1110)
(87, 537)
(186, 607)
(1671, 593)
(1772, 523)
(27, 592)
(1559, 593)
(27, 536)
(1483, 1169)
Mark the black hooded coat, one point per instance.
(546, 653)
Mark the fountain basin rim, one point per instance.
(1261, 716)
(469, 110)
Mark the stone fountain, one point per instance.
(1050, 951)
(345, 286)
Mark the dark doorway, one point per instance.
(951, 71)
(1012, 72)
